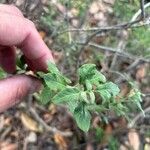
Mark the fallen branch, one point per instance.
(47, 127)
(133, 122)
(42, 122)
(115, 50)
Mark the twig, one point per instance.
(47, 127)
(5, 133)
(105, 29)
(122, 76)
(139, 12)
(1, 122)
(114, 50)
(133, 65)
(146, 95)
(84, 45)
(133, 122)
(120, 47)
(41, 121)
(122, 42)
(100, 30)
(142, 9)
(121, 26)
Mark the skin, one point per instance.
(17, 31)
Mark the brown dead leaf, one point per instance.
(58, 56)
(96, 122)
(47, 117)
(120, 123)
(60, 141)
(108, 129)
(52, 109)
(14, 134)
(124, 90)
(89, 146)
(141, 72)
(123, 147)
(75, 22)
(95, 7)
(30, 124)
(134, 140)
(99, 16)
(74, 12)
(107, 132)
(7, 121)
(42, 34)
(8, 146)
(19, 3)
(60, 8)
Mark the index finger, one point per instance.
(21, 32)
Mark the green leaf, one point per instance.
(109, 87)
(88, 85)
(83, 96)
(88, 72)
(105, 95)
(72, 105)
(82, 117)
(97, 108)
(52, 68)
(45, 96)
(41, 74)
(92, 97)
(118, 108)
(63, 79)
(135, 97)
(2, 74)
(98, 77)
(52, 82)
(66, 95)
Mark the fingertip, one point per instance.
(7, 56)
(40, 64)
(16, 88)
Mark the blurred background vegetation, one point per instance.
(75, 31)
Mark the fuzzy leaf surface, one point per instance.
(82, 117)
(45, 96)
(66, 95)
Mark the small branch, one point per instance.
(115, 50)
(104, 29)
(126, 25)
(133, 65)
(47, 127)
(142, 9)
(133, 122)
(139, 11)
(121, 45)
(146, 95)
(42, 122)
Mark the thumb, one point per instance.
(14, 89)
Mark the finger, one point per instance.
(14, 89)
(24, 35)
(7, 59)
(11, 9)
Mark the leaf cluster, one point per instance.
(91, 94)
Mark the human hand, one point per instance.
(17, 31)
